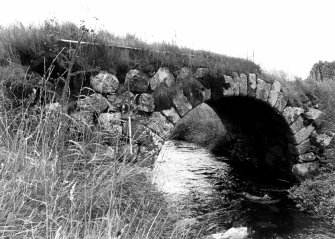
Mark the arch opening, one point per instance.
(247, 131)
(257, 136)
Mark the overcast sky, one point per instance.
(288, 35)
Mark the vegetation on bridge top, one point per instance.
(29, 45)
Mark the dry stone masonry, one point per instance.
(110, 107)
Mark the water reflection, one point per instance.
(214, 192)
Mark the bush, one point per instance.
(316, 196)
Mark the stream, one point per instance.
(220, 197)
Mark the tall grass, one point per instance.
(97, 195)
(58, 177)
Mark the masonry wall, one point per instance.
(294, 139)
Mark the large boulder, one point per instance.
(138, 81)
(104, 83)
(201, 126)
(93, 103)
(163, 75)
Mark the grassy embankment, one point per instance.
(316, 195)
(57, 179)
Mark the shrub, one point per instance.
(316, 196)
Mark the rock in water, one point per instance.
(104, 83)
(232, 233)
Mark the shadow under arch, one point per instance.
(257, 136)
(248, 131)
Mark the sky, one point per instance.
(283, 35)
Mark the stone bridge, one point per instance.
(240, 115)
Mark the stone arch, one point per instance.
(299, 124)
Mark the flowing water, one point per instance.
(219, 197)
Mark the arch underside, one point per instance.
(257, 136)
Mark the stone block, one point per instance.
(274, 92)
(322, 140)
(206, 94)
(172, 115)
(104, 83)
(263, 90)
(309, 157)
(83, 117)
(93, 103)
(163, 75)
(281, 102)
(252, 85)
(107, 120)
(138, 81)
(304, 170)
(315, 115)
(260, 88)
(232, 86)
(201, 72)
(182, 104)
(266, 92)
(243, 81)
(302, 148)
(184, 73)
(302, 134)
(139, 132)
(146, 103)
(292, 113)
(158, 123)
(297, 125)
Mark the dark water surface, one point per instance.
(218, 196)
